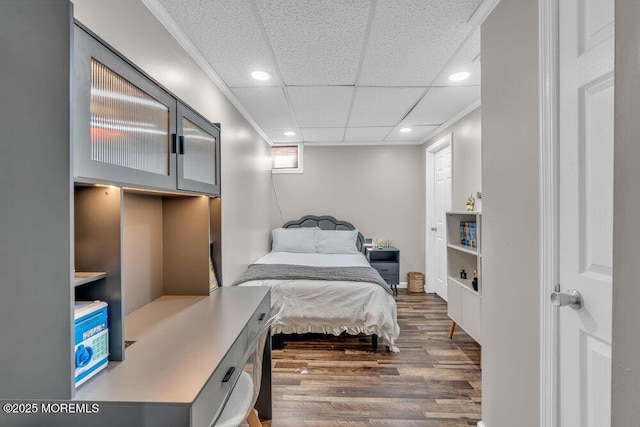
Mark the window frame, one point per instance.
(300, 168)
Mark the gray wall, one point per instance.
(36, 253)
(133, 30)
(381, 190)
(466, 157)
(511, 232)
(626, 234)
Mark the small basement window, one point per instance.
(286, 158)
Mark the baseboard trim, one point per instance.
(481, 424)
(402, 285)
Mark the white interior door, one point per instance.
(586, 95)
(441, 203)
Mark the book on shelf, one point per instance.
(468, 234)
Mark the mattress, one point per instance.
(330, 307)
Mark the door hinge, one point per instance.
(556, 288)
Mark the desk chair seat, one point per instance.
(243, 397)
(235, 410)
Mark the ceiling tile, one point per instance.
(368, 134)
(412, 45)
(412, 40)
(320, 106)
(467, 59)
(267, 105)
(322, 134)
(278, 136)
(417, 133)
(374, 106)
(316, 42)
(440, 104)
(228, 35)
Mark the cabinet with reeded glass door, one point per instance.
(130, 131)
(198, 153)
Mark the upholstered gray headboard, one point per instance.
(326, 222)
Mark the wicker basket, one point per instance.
(415, 282)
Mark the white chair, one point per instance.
(241, 402)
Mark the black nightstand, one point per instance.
(387, 262)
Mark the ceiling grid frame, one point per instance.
(372, 12)
(439, 75)
(477, 16)
(256, 13)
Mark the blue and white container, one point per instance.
(91, 339)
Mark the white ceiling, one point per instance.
(343, 72)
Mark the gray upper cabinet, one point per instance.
(198, 153)
(130, 131)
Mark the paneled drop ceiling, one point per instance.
(342, 71)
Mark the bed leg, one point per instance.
(374, 342)
(277, 341)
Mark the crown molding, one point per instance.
(167, 21)
(482, 12)
(451, 121)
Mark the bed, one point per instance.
(326, 289)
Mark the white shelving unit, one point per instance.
(464, 302)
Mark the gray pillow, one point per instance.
(337, 241)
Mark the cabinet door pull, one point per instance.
(262, 316)
(227, 376)
(181, 144)
(173, 143)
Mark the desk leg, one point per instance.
(263, 404)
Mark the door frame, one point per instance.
(444, 142)
(549, 210)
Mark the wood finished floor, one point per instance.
(339, 381)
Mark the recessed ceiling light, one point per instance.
(290, 133)
(261, 75)
(461, 75)
(405, 130)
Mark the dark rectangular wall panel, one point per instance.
(186, 245)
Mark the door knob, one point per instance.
(572, 298)
(434, 228)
